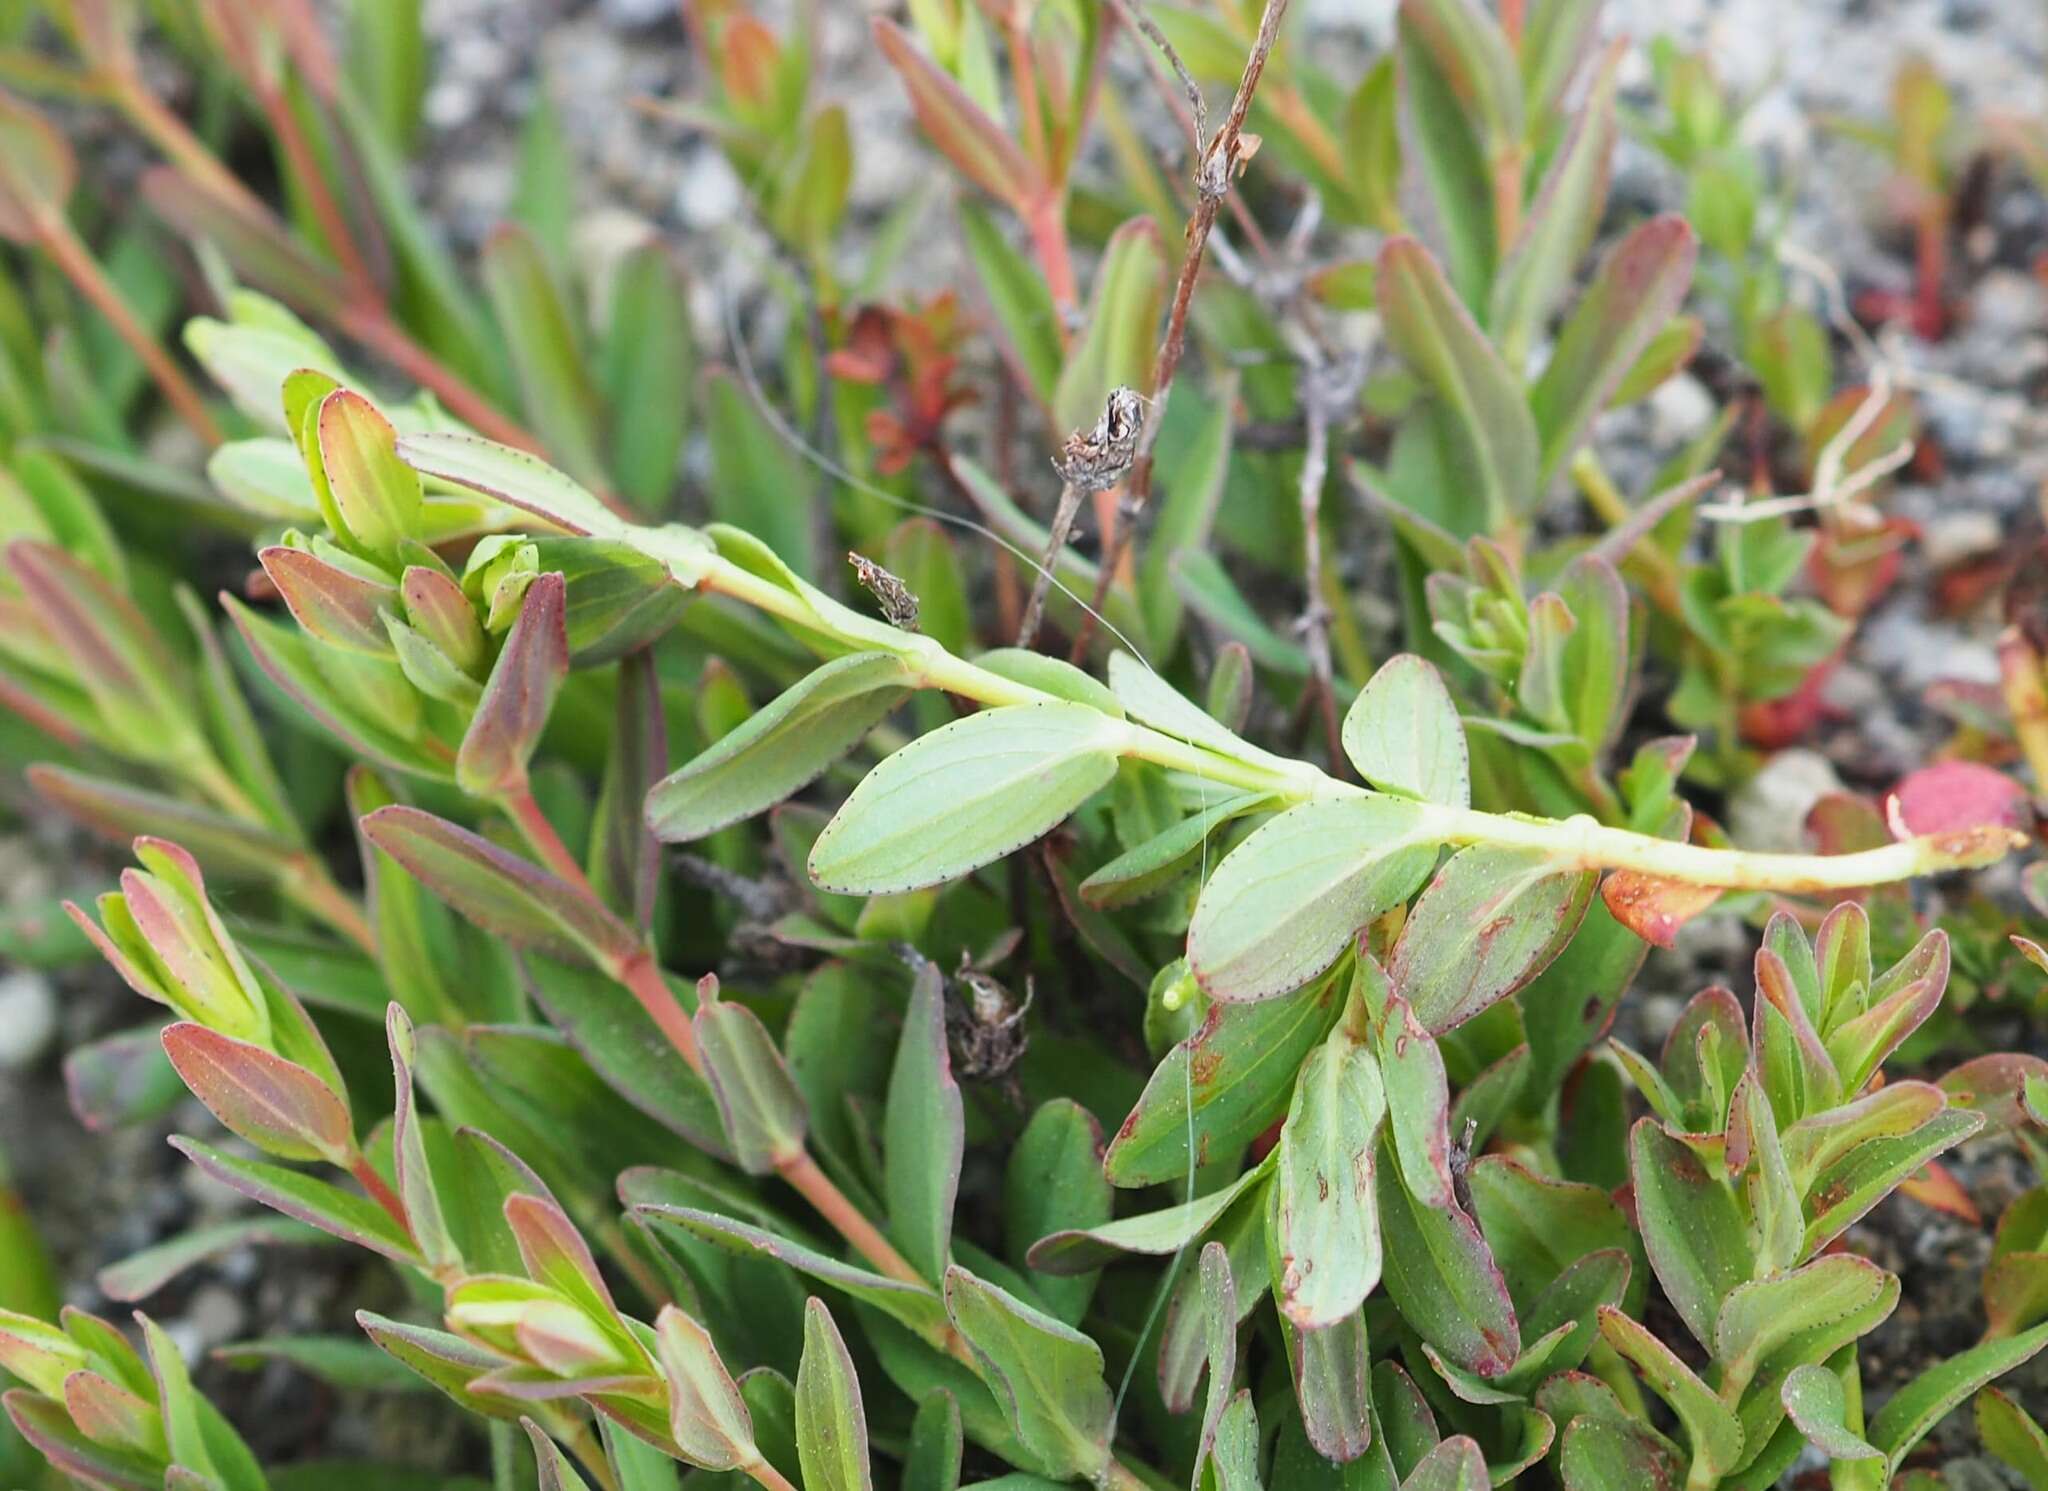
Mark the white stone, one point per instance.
(1769, 811)
(28, 1018)
(709, 194)
(1960, 534)
(1680, 411)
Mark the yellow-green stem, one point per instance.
(1578, 841)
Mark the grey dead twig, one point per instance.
(1217, 160)
(1090, 461)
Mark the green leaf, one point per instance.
(831, 1428)
(922, 1132)
(300, 668)
(1602, 1453)
(1495, 449)
(142, 1273)
(1326, 1226)
(377, 496)
(339, 1361)
(1017, 295)
(315, 1202)
(1844, 1191)
(555, 1470)
(1442, 1276)
(1554, 42)
(1539, 1226)
(645, 369)
(1711, 1431)
(448, 1362)
(1192, 467)
(511, 476)
(1163, 860)
(1237, 1069)
(1418, 1094)
(1121, 328)
(1233, 1452)
(758, 482)
(917, 1308)
(706, 1415)
(1489, 922)
(964, 796)
(1597, 659)
(1157, 1233)
(555, 384)
(1457, 1464)
(1636, 290)
(1438, 131)
(507, 896)
(763, 1109)
(200, 1440)
(1814, 1397)
(931, 1461)
(1054, 1183)
(1220, 1316)
(1472, 53)
(1560, 223)
(1694, 1232)
(1286, 902)
(807, 198)
(1403, 734)
(2008, 1432)
(1911, 1412)
(1332, 1386)
(1769, 1327)
(781, 749)
(47, 1427)
(1046, 1375)
(229, 847)
(623, 1045)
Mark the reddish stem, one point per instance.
(180, 146)
(79, 266)
(520, 806)
(1047, 224)
(816, 1187)
(306, 166)
(1930, 312)
(642, 976)
(379, 1192)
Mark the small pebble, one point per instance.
(28, 1018)
(1769, 811)
(1961, 534)
(217, 1315)
(1680, 410)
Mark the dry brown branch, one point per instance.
(1217, 162)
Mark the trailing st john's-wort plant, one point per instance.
(891, 1174)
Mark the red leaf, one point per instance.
(1952, 795)
(1652, 908)
(514, 709)
(1936, 1186)
(275, 1104)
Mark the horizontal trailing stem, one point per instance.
(1579, 842)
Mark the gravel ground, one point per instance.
(101, 1197)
